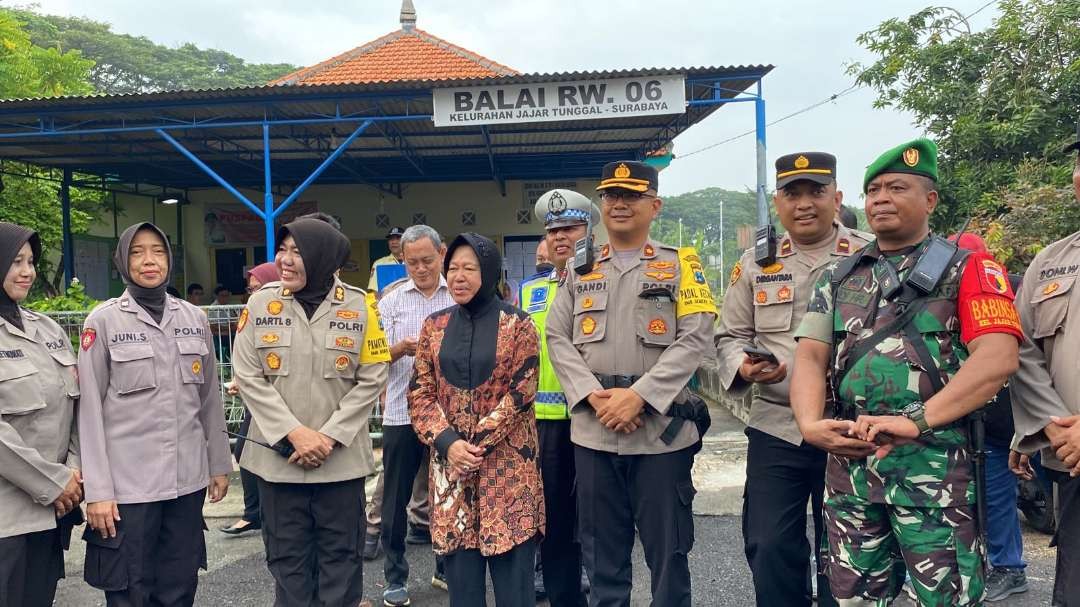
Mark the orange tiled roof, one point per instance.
(402, 55)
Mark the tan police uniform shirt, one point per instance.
(38, 440)
(325, 373)
(151, 421)
(763, 307)
(1048, 379)
(600, 323)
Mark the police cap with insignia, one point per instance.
(395, 232)
(917, 157)
(1076, 144)
(559, 208)
(818, 167)
(629, 175)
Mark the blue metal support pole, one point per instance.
(268, 196)
(759, 135)
(322, 167)
(65, 209)
(209, 171)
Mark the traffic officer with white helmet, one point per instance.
(567, 217)
(151, 426)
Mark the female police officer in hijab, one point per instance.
(310, 360)
(151, 426)
(39, 465)
(471, 399)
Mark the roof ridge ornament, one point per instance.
(408, 16)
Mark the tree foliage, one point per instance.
(1000, 103)
(135, 64)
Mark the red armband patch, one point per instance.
(88, 337)
(985, 300)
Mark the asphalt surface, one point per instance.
(238, 574)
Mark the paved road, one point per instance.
(238, 573)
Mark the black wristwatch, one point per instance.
(916, 412)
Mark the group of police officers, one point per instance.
(869, 353)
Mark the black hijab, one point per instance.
(467, 355)
(152, 300)
(12, 239)
(324, 250)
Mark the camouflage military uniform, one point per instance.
(918, 500)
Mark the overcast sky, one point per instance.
(810, 43)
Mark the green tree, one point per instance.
(135, 64)
(999, 102)
(27, 70)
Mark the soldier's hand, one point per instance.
(311, 449)
(762, 372)
(887, 431)
(831, 435)
(219, 486)
(624, 405)
(1066, 443)
(102, 517)
(1020, 464)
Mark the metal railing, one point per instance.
(223, 327)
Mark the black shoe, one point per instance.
(234, 530)
(418, 536)
(372, 547)
(538, 584)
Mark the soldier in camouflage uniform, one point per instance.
(910, 502)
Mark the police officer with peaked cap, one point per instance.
(1046, 388)
(567, 217)
(762, 308)
(310, 360)
(39, 460)
(624, 337)
(151, 428)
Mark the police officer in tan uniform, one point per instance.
(39, 461)
(1045, 389)
(311, 360)
(151, 427)
(624, 337)
(762, 308)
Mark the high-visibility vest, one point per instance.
(537, 293)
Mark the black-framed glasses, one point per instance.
(611, 197)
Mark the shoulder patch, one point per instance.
(694, 294)
(736, 272)
(240, 324)
(89, 336)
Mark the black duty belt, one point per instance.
(694, 409)
(608, 382)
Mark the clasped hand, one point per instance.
(619, 409)
(464, 457)
(1064, 435)
(311, 447)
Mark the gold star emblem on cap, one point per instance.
(802, 162)
(622, 171)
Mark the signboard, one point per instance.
(234, 225)
(533, 190)
(554, 101)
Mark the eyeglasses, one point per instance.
(611, 197)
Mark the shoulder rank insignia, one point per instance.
(339, 294)
(843, 245)
(286, 292)
(649, 251)
(605, 250)
(785, 247)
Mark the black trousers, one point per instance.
(780, 479)
(155, 558)
(314, 541)
(1067, 540)
(248, 480)
(30, 566)
(654, 491)
(560, 553)
(511, 577)
(402, 454)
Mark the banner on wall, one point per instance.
(556, 101)
(233, 225)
